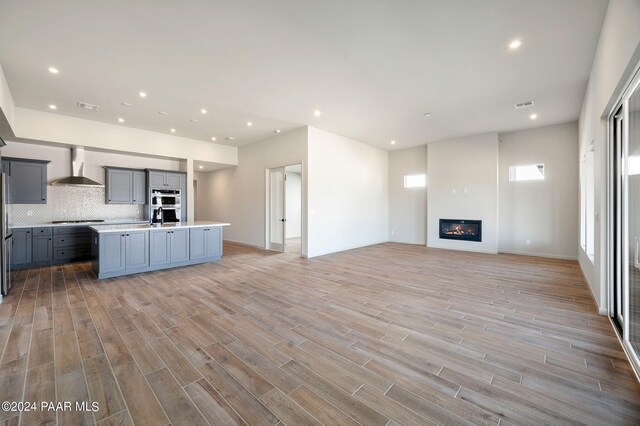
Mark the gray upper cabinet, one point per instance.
(139, 187)
(125, 186)
(27, 180)
(119, 185)
(21, 247)
(165, 180)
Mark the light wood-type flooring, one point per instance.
(387, 334)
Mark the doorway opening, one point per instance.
(284, 209)
(293, 209)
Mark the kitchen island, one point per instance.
(130, 249)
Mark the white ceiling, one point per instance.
(373, 68)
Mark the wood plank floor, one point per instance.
(388, 334)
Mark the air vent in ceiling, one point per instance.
(88, 106)
(525, 104)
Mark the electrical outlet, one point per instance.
(528, 242)
(29, 212)
(454, 191)
(393, 232)
(466, 190)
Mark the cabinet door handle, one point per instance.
(49, 239)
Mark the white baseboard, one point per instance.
(348, 248)
(244, 244)
(550, 256)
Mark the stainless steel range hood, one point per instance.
(77, 172)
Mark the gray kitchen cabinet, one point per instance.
(112, 251)
(159, 251)
(159, 179)
(28, 181)
(42, 250)
(139, 187)
(22, 241)
(168, 246)
(205, 243)
(137, 249)
(119, 186)
(125, 186)
(179, 245)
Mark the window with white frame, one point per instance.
(526, 172)
(415, 181)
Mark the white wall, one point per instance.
(463, 184)
(615, 61)
(238, 194)
(407, 206)
(347, 193)
(543, 212)
(293, 208)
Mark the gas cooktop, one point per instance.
(59, 222)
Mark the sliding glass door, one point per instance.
(632, 139)
(625, 213)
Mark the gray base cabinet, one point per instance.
(205, 243)
(42, 250)
(123, 253)
(169, 246)
(44, 246)
(21, 253)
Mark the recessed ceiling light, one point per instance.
(53, 70)
(200, 167)
(121, 120)
(142, 94)
(533, 116)
(162, 113)
(249, 124)
(52, 106)
(317, 113)
(515, 44)
(173, 130)
(213, 138)
(194, 120)
(230, 138)
(125, 104)
(427, 115)
(277, 131)
(393, 142)
(204, 111)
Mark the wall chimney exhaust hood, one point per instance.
(77, 172)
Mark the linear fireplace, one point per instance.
(459, 229)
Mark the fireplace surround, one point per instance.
(461, 229)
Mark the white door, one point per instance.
(277, 217)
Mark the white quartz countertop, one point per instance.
(146, 226)
(55, 225)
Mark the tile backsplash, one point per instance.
(73, 203)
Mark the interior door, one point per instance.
(277, 217)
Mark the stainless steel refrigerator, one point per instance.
(5, 233)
